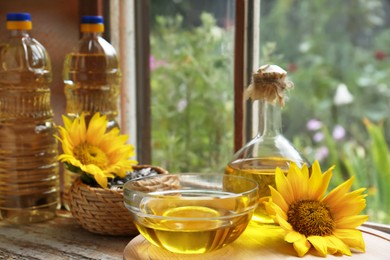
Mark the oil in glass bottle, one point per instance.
(269, 149)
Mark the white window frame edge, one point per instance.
(123, 39)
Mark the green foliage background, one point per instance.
(322, 44)
(192, 101)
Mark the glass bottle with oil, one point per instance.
(269, 149)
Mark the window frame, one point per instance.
(129, 26)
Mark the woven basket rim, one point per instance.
(102, 210)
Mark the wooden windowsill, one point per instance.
(63, 238)
(60, 238)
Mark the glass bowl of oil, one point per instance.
(191, 213)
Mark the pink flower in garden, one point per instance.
(322, 153)
(318, 137)
(380, 55)
(338, 132)
(313, 125)
(154, 64)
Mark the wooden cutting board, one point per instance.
(258, 242)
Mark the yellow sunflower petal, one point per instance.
(69, 159)
(82, 129)
(283, 223)
(73, 131)
(283, 186)
(351, 237)
(67, 148)
(302, 246)
(355, 195)
(114, 131)
(278, 199)
(351, 221)
(96, 129)
(67, 122)
(91, 169)
(126, 165)
(122, 173)
(109, 143)
(279, 211)
(77, 130)
(305, 171)
(337, 193)
(63, 134)
(320, 244)
(293, 236)
(101, 180)
(348, 208)
(336, 245)
(120, 158)
(297, 181)
(318, 183)
(343, 203)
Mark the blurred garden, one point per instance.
(335, 52)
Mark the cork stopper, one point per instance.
(269, 83)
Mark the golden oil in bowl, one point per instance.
(194, 218)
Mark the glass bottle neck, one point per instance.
(269, 119)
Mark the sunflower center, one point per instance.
(311, 218)
(90, 154)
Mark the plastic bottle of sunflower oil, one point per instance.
(91, 76)
(29, 181)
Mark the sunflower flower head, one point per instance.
(312, 219)
(92, 151)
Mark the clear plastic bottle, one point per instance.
(29, 181)
(269, 149)
(91, 76)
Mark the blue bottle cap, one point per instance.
(18, 17)
(92, 19)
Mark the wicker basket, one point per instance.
(102, 211)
